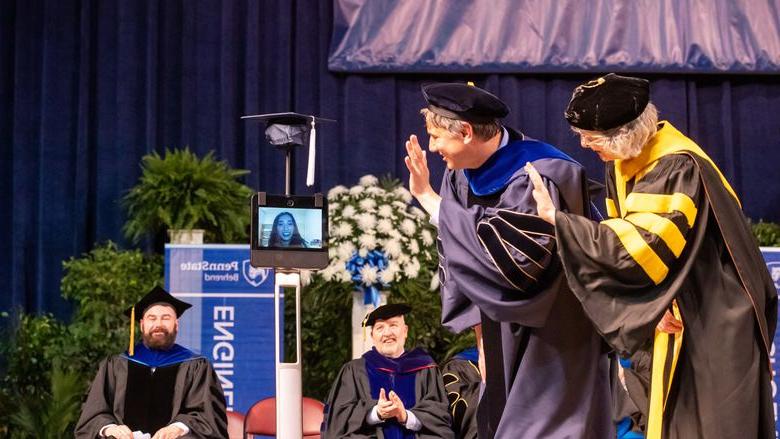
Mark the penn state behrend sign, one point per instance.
(772, 258)
(232, 318)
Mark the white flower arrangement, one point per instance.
(375, 237)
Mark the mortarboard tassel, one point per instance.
(365, 320)
(312, 155)
(131, 349)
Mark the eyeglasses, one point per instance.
(594, 140)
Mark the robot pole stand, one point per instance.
(289, 381)
(289, 384)
(288, 171)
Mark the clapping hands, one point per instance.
(390, 406)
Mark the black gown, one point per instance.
(462, 382)
(127, 392)
(677, 240)
(351, 400)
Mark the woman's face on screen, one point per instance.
(285, 227)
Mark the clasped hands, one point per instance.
(390, 406)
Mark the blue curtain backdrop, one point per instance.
(88, 87)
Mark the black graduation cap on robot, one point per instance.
(287, 130)
(154, 297)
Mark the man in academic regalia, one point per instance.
(156, 387)
(546, 370)
(389, 392)
(675, 272)
(462, 381)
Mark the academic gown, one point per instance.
(547, 368)
(352, 398)
(630, 381)
(462, 381)
(677, 240)
(153, 389)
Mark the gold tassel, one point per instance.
(131, 349)
(365, 319)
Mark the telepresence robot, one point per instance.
(277, 241)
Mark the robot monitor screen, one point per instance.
(289, 231)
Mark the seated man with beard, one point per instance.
(156, 387)
(389, 392)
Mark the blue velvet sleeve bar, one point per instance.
(493, 258)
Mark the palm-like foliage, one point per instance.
(52, 416)
(181, 191)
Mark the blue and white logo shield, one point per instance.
(254, 276)
(774, 271)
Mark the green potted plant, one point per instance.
(767, 234)
(181, 192)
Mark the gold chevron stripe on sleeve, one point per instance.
(662, 227)
(637, 247)
(611, 208)
(660, 203)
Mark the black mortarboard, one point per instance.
(607, 102)
(386, 311)
(463, 102)
(157, 295)
(291, 129)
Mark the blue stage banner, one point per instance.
(772, 258)
(561, 36)
(232, 318)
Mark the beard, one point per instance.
(156, 342)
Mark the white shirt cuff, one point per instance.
(101, 433)
(434, 219)
(373, 417)
(431, 204)
(182, 426)
(412, 423)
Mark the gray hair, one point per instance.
(482, 131)
(627, 140)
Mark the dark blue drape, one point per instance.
(88, 87)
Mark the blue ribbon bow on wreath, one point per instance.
(374, 258)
